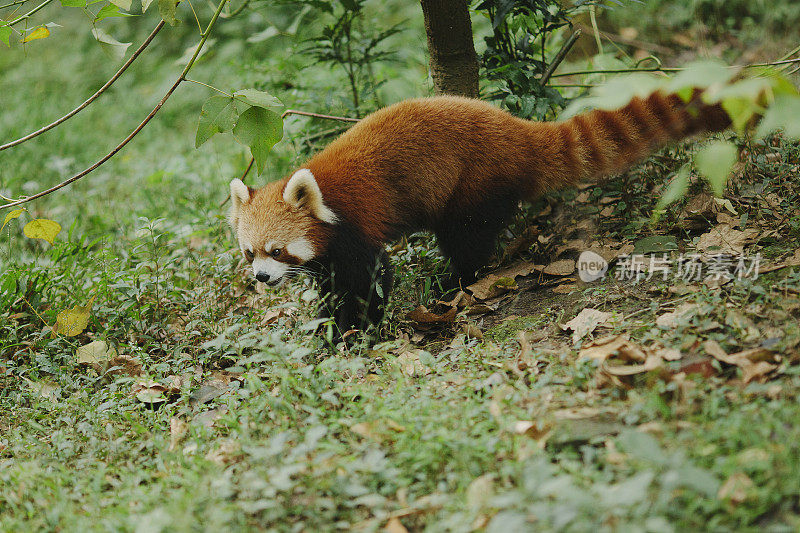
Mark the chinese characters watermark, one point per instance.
(688, 268)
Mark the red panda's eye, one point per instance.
(248, 255)
(276, 252)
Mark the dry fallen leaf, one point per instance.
(652, 362)
(564, 267)
(422, 315)
(228, 452)
(127, 365)
(725, 239)
(585, 322)
(96, 354)
(177, 431)
(603, 348)
(43, 388)
(149, 392)
(791, 261)
(755, 363)
(735, 488)
(674, 318)
(471, 330)
(565, 288)
(409, 363)
(395, 526)
(523, 242)
(537, 431)
(497, 283)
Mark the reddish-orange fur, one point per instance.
(412, 163)
(457, 167)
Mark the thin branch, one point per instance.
(580, 85)
(209, 86)
(247, 170)
(317, 115)
(615, 71)
(244, 175)
(139, 128)
(92, 98)
(14, 3)
(562, 53)
(671, 69)
(196, 18)
(29, 13)
(236, 11)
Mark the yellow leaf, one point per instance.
(10, 216)
(39, 33)
(41, 228)
(71, 322)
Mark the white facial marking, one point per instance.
(269, 246)
(246, 247)
(301, 249)
(274, 269)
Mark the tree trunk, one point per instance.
(454, 64)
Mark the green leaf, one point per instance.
(167, 8)
(114, 46)
(675, 190)
(700, 74)
(259, 99)
(5, 34)
(615, 94)
(10, 216)
(641, 446)
(698, 479)
(73, 3)
(218, 115)
(259, 129)
(41, 228)
(715, 161)
(110, 10)
(742, 100)
(122, 4)
(782, 115)
(146, 4)
(741, 111)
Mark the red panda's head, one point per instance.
(281, 226)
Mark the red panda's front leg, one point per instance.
(355, 282)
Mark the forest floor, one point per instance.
(662, 396)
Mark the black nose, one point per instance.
(263, 277)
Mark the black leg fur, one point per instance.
(349, 273)
(469, 240)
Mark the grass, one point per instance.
(251, 423)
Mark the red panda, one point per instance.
(454, 166)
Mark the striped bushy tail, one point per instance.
(609, 142)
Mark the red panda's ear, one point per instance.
(240, 193)
(302, 192)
